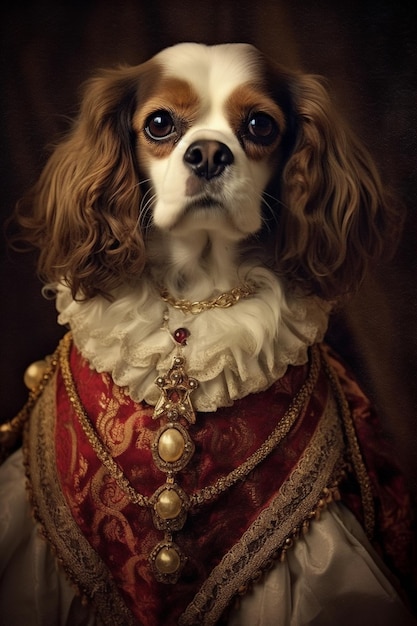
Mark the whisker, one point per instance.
(147, 201)
(137, 184)
(270, 202)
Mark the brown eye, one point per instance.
(160, 125)
(261, 128)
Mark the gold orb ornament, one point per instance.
(34, 374)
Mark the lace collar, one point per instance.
(232, 352)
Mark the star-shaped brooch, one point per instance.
(176, 387)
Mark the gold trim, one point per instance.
(85, 569)
(276, 528)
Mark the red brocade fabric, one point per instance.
(123, 534)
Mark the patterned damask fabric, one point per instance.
(228, 542)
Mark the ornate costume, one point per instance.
(161, 515)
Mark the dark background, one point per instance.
(367, 49)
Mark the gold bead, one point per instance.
(171, 445)
(168, 505)
(34, 374)
(167, 560)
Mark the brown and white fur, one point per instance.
(198, 160)
(203, 168)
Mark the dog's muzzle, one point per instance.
(208, 158)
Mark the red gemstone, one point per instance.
(181, 335)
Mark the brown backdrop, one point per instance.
(367, 49)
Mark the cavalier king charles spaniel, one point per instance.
(198, 224)
(201, 161)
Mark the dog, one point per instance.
(203, 217)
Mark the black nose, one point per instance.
(208, 158)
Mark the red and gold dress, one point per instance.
(280, 507)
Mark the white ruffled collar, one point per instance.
(232, 352)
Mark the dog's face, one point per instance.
(202, 157)
(209, 139)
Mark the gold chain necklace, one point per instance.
(172, 450)
(222, 301)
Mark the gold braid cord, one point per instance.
(354, 449)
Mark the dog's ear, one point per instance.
(83, 213)
(335, 215)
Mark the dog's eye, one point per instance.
(160, 125)
(261, 128)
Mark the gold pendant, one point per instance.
(172, 449)
(176, 387)
(167, 561)
(170, 506)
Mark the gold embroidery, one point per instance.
(209, 493)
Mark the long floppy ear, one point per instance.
(83, 212)
(335, 215)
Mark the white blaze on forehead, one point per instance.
(213, 74)
(212, 70)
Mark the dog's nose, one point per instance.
(208, 158)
